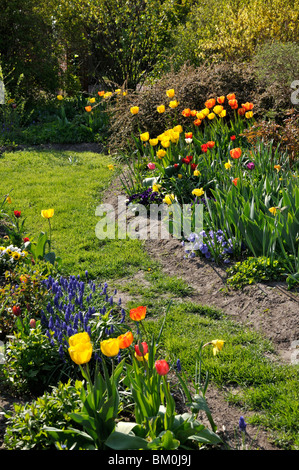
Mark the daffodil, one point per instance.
(156, 188)
(111, 167)
(217, 345)
(227, 165)
(273, 210)
(168, 199)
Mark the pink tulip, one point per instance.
(32, 323)
(151, 166)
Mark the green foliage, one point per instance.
(253, 270)
(32, 362)
(25, 424)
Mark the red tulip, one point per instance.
(204, 148)
(162, 367)
(232, 137)
(16, 310)
(143, 350)
(236, 153)
(26, 239)
(17, 214)
(210, 144)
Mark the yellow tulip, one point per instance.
(200, 115)
(92, 100)
(144, 137)
(170, 93)
(180, 176)
(134, 110)
(80, 349)
(141, 358)
(161, 153)
(218, 109)
(205, 111)
(196, 173)
(60, 97)
(153, 142)
(178, 129)
(211, 116)
(110, 347)
(217, 345)
(165, 143)
(47, 213)
(249, 114)
(223, 113)
(173, 104)
(161, 108)
(198, 192)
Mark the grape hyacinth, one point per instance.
(76, 306)
(209, 245)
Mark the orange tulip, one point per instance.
(233, 103)
(210, 103)
(186, 112)
(247, 106)
(231, 96)
(88, 108)
(236, 153)
(101, 93)
(210, 144)
(220, 99)
(197, 122)
(193, 112)
(138, 313)
(126, 340)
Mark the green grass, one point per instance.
(72, 184)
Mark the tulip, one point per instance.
(223, 113)
(101, 93)
(232, 137)
(32, 323)
(141, 358)
(277, 168)
(161, 109)
(241, 111)
(250, 165)
(210, 144)
(178, 129)
(80, 349)
(247, 106)
(17, 214)
(186, 112)
(134, 110)
(110, 347)
(233, 104)
(200, 115)
(197, 122)
(144, 137)
(188, 135)
(205, 111)
(211, 116)
(210, 103)
(141, 348)
(173, 104)
(26, 239)
(151, 166)
(162, 367)
(92, 100)
(236, 153)
(8, 200)
(198, 192)
(218, 109)
(156, 188)
(217, 345)
(204, 148)
(16, 310)
(249, 114)
(231, 96)
(153, 142)
(235, 181)
(221, 99)
(170, 93)
(47, 213)
(88, 109)
(165, 143)
(60, 97)
(138, 313)
(125, 340)
(196, 173)
(161, 153)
